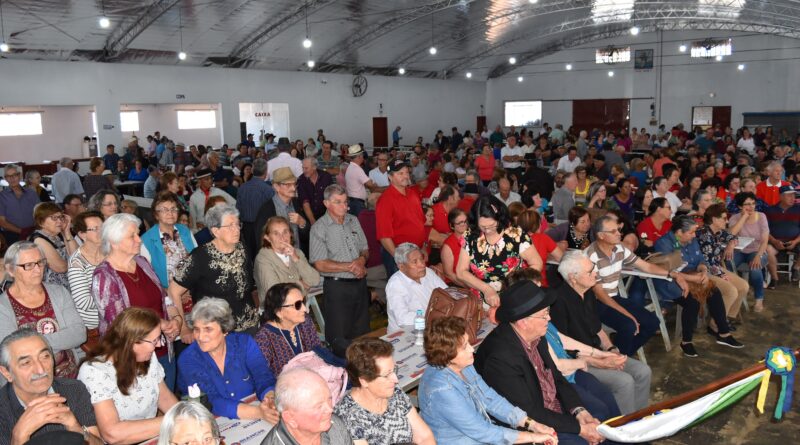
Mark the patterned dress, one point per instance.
(713, 246)
(391, 427)
(492, 262)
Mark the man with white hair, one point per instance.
(306, 409)
(410, 288)
(66, 181)
(16, 205)
(768, 190)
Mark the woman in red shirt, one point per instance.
(457, 220)
(485, 164)
(529, 221)
(657, 224)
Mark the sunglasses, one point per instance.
(297, 304)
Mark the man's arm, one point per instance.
(388, 245)
(8, 226)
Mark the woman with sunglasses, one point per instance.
(288, 330)
(54, 237)
(125, 380)
(227, 366)
(47, 308)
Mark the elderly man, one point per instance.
(574, 314)
(784, 226)
(284, 203)
(410, 288)
(16, 205)
(399, 215)
(311, 188)
(339, 251)
(380, 174)
(417, 168)
(515, 362)
(284, 159)
(304, 403)
(564, 198)
(769, 189)
(504, 192)
(252, 195)
(33, 402)
(66, 181)
(205, 190)
(357, 182)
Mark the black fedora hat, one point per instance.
(522, 299)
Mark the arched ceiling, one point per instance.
(372, 36)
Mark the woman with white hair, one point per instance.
(227, 366)
(220, 269)
(125, 279)
(188, 422)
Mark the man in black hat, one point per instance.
(515, 362)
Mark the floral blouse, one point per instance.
(492, 262)
(712, 246)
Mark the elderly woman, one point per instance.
(126, 279)
(573, 234)
(124, 379)
(287, 329)
(95, 181)
(279, 261)
(167, 243)
(493, 249)
(453, 244)
(226, 365)
(33, 181)
(82, 264)
(188, 423)
(220, 269)
(106, 202)
(701, 201)
(54, 237)
(755, 253)
(44, 307)
(455, 401)
(376, 410)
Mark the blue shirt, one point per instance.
(251, 196)
(555, 342)
(246, 372)
(140, 176)
(457, 410)
(784, 224)
(110, 161)
(691, 254)
(18, 211)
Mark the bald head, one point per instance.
(295, 388)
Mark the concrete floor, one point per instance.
(673, 374)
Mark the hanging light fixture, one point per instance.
(401, 71)
(181, 55)
(3, 45)
(432, 49)
(469, 75)
(307, 42)
(103, 21)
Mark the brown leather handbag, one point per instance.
(456, 302)
(92, 338)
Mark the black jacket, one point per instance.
(266, 212)
(502, 362)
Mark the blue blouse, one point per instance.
(690, 253)
(555, 342)
(246, 373)
(141, 176)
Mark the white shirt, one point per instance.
(509, 151)
(405, 296)
(747, 145)
(512, 197)
(568, 166)
(197, 204)
(527, 149)
(380, 179)
(66, 182)
(354, 179)
(285, 160)
(141, 402)
(672, 199)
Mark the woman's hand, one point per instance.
(728, 255)
(187, 336)
(755, 263)
(541, 428)
(269, 411)
(491, 297)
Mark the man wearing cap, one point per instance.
(182, 158)
(249, 141)
(784, 226)
(205, 190)
(399, 217)
(357, 182)
(284, 203)
(515, 362)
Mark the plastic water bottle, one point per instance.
(419, 327)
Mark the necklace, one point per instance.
(292, 339)
(576, 240)
(133, 276)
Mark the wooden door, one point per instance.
(480, 122)
(380, 132)
(605, 114)
(721, 116)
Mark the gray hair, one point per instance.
(218, 213)
(189, 411)
(96, 201)
(215, 310)
(114, 229)
(683, 223)
(11, 167)
(402, 252)
(570, 263)
(771, 166)
(472, 174)
(597, 226)
(64, 161)
(293, 388)
(312, 160)
(333, 189)
(259, 167)
(19, 334)
(698, 195)
(11, 258)
(30, 174)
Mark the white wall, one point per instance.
(63, 128)
(164, 118)
(420, 106)
(767, 84)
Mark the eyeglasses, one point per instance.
(488, 228)
(297, 304)
(110, 204)
(546, 316)
(57, 216)
(459, 223)
(12, 175)
(160, 341)
(210, 440)
(93, 229)
(235, 226)
(288, 184)
(389, 374)
(169, 210)
(29, 266)
(611, 231)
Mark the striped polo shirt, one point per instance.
(609, 267)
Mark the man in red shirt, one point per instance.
(768, 190)
(399, 216)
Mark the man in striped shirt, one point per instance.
(632, 322)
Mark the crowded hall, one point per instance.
(376, 223)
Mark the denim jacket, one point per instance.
(457, 410)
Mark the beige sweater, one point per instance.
(271, 270)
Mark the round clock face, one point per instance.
(359, 86)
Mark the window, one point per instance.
(129, 120)
(20, 124)
(196, 119)
(612, 55)
(711, 48)
(523, 113)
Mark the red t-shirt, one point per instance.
(485, 167)
(399, 217)
(544, 245)
(466, 203)
(144, 293)
(440, 223)
(455, 244)
(769, 194)
(648, 231)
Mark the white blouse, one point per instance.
(141, 402)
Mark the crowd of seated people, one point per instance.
(212, 288)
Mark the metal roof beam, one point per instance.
(124, 34)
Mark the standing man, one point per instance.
(356, 180)
(380, 174)
(328, 160)
(512, 157)
(205, 190)
(564, 199)
(284, 159)
(66, 181)
(396, 137)
(16, 205)
(339, 251)
(252, 195)
(399, 216)
(456, 139)
(284, 203)
(311, 188)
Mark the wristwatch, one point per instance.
(86, 433)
